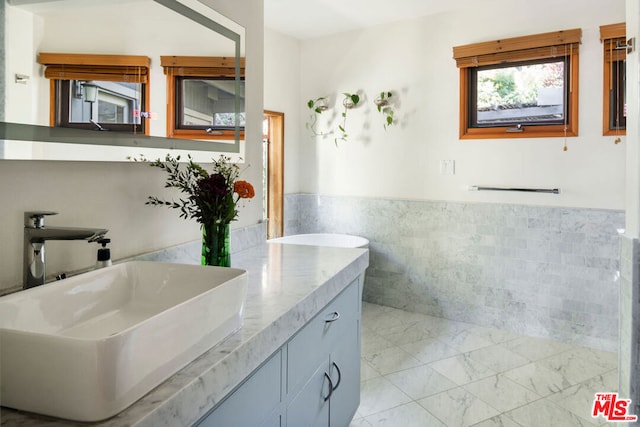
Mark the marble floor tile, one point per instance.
(373, 343)
(408, 415)
(498, 421)
(379, 394)
(498, 358)
(579, 398)
(536, 348)
(380, 323)
(390, 360)
(465, 341)
(605, 359)
(420, 382)
(501, 393)
(419, 370)
(359, 422)
(604, 382)
(538, 378)
(574, 368)
(458, 407)
(367, 372)
(407, 333)
(429, 350)
(544, 412)
(496, 336)
(461, 369)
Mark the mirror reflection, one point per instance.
(87, 95)
(101, 104)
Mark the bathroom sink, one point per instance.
(86, 347)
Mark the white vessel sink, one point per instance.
(88, 346)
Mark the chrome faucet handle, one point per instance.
(35, 219)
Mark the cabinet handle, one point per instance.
(339, 375)
(331, 388)
(334, 316)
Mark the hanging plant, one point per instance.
(350, 101)
(384, 107)
(316, 107)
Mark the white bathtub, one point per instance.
(324, 239)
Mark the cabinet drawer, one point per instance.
(313, 343)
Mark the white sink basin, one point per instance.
(88, 346)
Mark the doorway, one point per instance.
(273, 129)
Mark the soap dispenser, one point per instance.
(104, 254)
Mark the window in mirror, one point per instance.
(201, 97)
(95, 104)
(207, 103)
(522, 87)
(614, 118)
(100, 92)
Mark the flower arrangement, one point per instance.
(210, 196)
(212, 200)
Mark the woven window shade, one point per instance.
(201, 66)
(116, 68)
(539, 46)
(613, 36)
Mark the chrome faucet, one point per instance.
(36, 234)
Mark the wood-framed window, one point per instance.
(201, 97)
(521, 87)
(614, 119)
(99, 92)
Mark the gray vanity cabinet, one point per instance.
(253, 402)
(324, 365)
(313, 380)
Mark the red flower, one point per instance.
(244, 189)
(213, 186)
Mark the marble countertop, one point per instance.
(288, 285)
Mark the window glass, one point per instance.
(617, 96)
(527, 93)
(208, 102)
(116, 104)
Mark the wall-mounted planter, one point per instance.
(384, 107)
(351, 100)
(316, 106)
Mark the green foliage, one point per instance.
(504, 87)
(384, 107)
(209, 197)
(351, 100)
(317, 106)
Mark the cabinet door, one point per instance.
(345, 376)
(310, 407)
(253, 402)
(315, 341)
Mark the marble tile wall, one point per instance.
(541, 271)
(629, 351)
(190, 253)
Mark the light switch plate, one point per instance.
(447, 167)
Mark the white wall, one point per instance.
(282, 94)
(112, 195)
(414, 60)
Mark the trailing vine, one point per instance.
(350, 101)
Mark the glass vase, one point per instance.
(215, 245)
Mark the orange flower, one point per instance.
(244, 189)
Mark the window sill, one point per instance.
(526, 132)
(202, 135)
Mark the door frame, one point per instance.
(275, 173)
